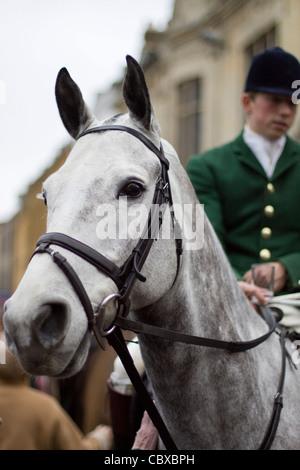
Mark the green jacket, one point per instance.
(256, 219)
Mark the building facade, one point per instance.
(18, 236)
(196, 68)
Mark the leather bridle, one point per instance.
(125, 277)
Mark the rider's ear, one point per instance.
(72, 109)
(136, 96)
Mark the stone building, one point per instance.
(196, 67)
(19, 235)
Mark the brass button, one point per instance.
(269, 211)
(265, 254)
(266, 232)
(270, 188)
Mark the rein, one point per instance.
(125, 277)
(230, 346)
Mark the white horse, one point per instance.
(208, 398)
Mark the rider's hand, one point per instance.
(251, 290)
(280, 275)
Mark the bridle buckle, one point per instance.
(100, 314)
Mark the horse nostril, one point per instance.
(52, 323)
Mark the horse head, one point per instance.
(101, 197)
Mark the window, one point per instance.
(265, 41)
(189, 119)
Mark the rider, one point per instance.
(250, 187)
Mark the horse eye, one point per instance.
(132, 189)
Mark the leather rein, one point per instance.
(125, 278)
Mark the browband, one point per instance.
(158, 152)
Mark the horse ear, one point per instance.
(73, 111)
(136, 95)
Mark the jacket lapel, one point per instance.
(287, 159)
(246, 156)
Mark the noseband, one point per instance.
(125, 276)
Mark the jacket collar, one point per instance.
(287, 159)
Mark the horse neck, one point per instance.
(216, 300)
(206, 299)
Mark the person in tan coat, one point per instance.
(34, 420)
